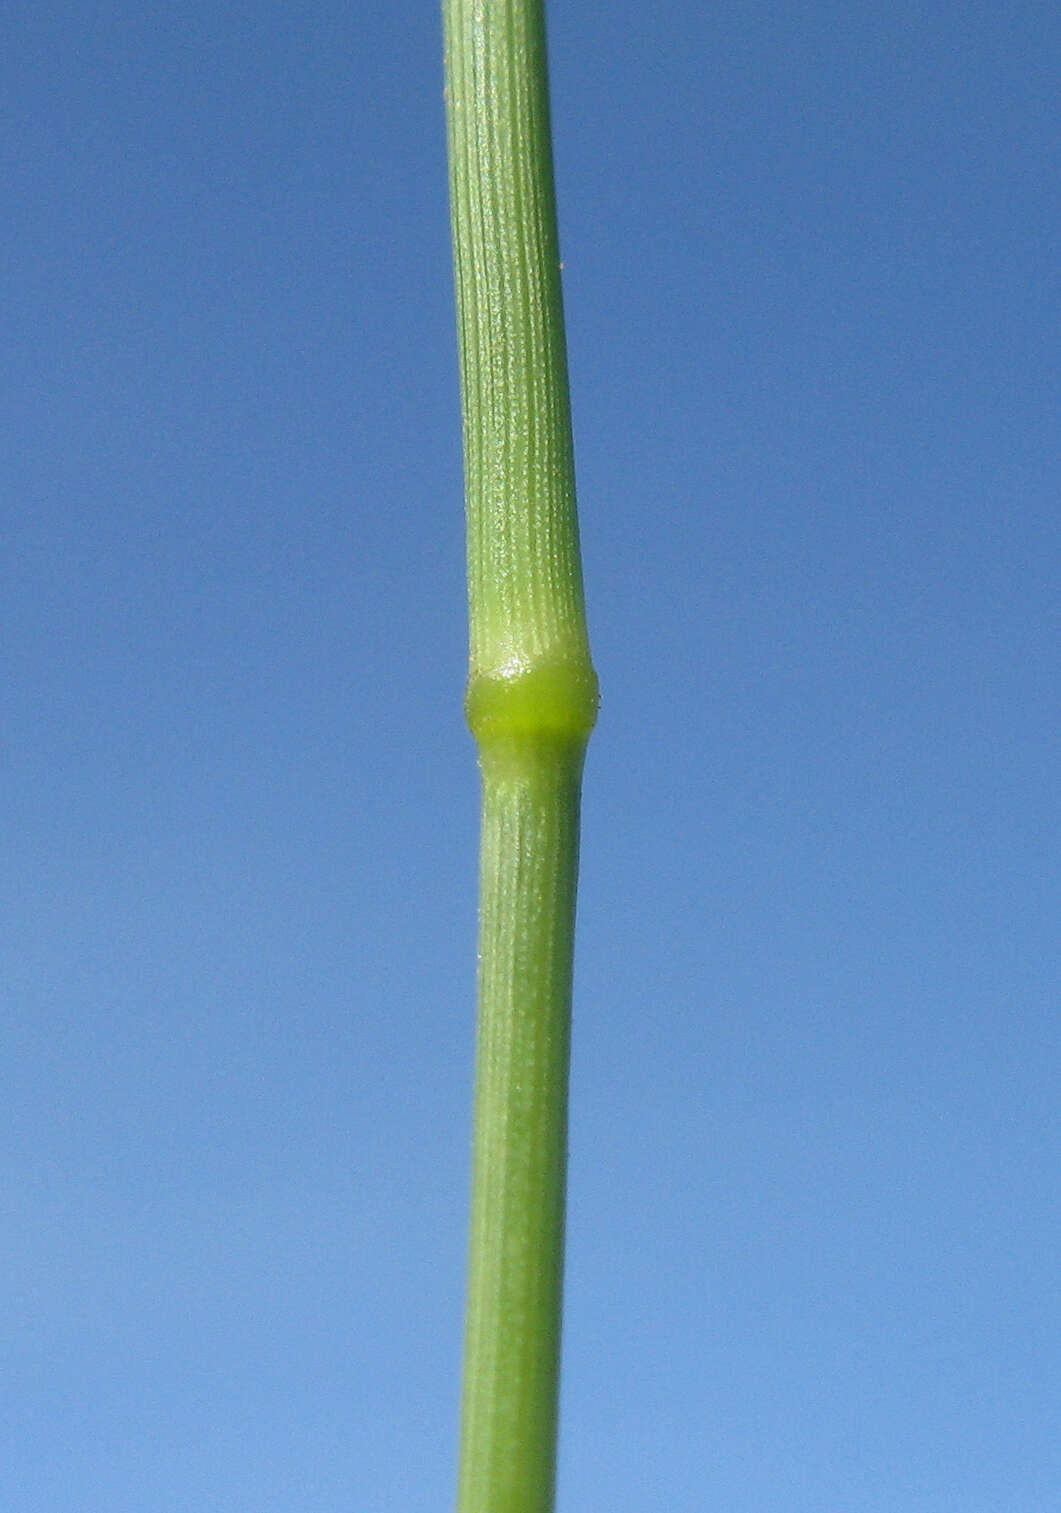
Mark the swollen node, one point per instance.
(552, 700)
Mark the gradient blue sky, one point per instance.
(813, 289)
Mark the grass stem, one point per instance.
(531, 702)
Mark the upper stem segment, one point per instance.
(525, 595)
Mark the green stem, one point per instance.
(529, 862)
(531, 703)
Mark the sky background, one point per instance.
(813, 294)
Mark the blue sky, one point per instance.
(813, 291)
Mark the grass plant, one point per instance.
(531, 703)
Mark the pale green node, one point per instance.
(552, 699)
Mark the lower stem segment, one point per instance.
(529, 862)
